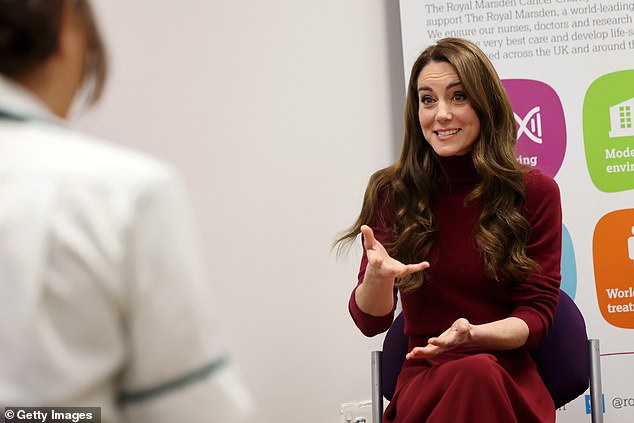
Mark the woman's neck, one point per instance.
(458, 167)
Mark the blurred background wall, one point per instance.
(276, 113)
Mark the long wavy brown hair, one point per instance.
(501, 232)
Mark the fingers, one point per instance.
(408, 269)
(378, 256)
(435, 341)
(368, 237)
(423, 352)
(456, 337)
(404, 270)
(414, 353)
(421, 266)
(462, 325)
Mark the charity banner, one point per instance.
(568, 69)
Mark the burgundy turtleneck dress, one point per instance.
(481, 386)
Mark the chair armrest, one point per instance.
(377, 390)
(596, 391)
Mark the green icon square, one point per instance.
(608, 135)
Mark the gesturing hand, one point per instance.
(380, 264)
(459, 335)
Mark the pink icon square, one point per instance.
(541, 124)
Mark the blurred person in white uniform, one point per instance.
(103, 302)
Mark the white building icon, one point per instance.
(621, 119)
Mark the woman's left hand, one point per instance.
(458, 336)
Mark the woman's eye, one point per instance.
(426, 100)
(459, 97)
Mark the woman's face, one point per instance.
(449, 123)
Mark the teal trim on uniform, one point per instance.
(196, 375)
(10, 116)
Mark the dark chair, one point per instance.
(566, 361)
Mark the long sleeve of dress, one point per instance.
(535, 299)
(371, 325)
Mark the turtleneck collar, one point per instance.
(459, 168)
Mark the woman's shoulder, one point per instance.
(538, 183)
(72, 152)
(541, 190)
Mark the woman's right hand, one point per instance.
(375, 296)
(380, 265)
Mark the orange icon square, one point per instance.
(613, 253)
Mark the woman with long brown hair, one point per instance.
(471, 239)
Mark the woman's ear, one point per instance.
(72, 35)
(68, 62)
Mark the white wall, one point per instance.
(276, 112)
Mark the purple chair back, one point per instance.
(395, 345)
(562, 359)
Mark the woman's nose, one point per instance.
(443, 112)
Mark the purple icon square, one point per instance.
(541, 124)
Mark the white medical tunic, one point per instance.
(102, 298)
